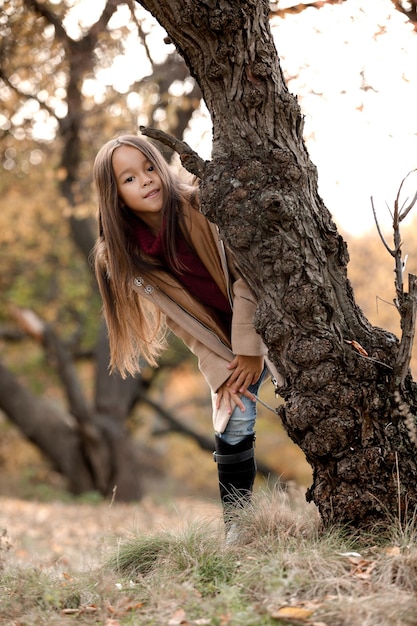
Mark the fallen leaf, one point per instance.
(365, 574)
(178, 618)
(136, 605)
(123, 607)
(291, 613)
(362, 569)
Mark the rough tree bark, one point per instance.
(340, 372)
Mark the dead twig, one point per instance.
(406, 303)
(398, 215)
(408, 324)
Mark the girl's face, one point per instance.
(138, 184)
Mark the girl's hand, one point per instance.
(246, 371)
(228, 399)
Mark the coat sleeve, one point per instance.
(211, 363)
(213, 366)
(245, 340)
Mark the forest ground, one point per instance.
(43, 525)
(77, 536)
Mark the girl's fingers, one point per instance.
(242, 383)
(250, 380)
(225, 397)
(239, 403)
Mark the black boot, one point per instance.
(237, 470)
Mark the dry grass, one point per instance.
(285, 569)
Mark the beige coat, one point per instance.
(194, 323)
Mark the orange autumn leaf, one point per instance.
(362, 568)
(124, 607)
(136, 605)
(357, 346)
(291, 613)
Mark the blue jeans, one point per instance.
(242, 424)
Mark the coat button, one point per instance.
(149, 289)
(138, 282)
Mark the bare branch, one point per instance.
(41, 421)
(90, 39)
(392, 252)
(404, 212)
(399, 265)
(377, 298)
(95, 447)
(43, 333)
(408, 323)
(141, 32)
(110, 8)
(26, 95)
(189, 159)
(389, 210)
(397, 216)
(301, 7)
(43, 11)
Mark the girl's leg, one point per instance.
(242, 423)
(235, 456)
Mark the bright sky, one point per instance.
(352, 66)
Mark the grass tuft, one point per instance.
(194, 556)
(139, 554)
(284, 568)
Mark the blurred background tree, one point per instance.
(62, 97)
(56, 115)
(58, 107)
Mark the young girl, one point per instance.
(160, 264)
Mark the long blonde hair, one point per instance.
(135, 326)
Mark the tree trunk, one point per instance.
(89, 443)
(50, 428)
(261, 189)
(115, 397)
